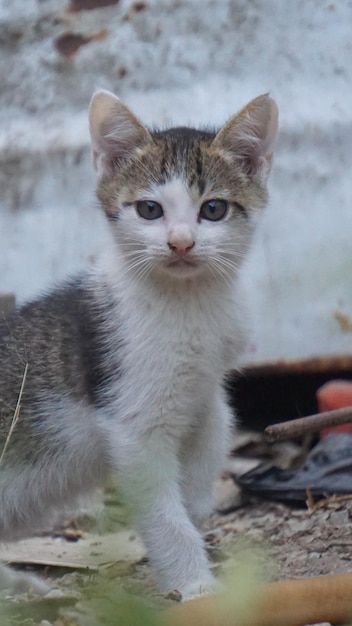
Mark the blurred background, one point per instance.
(179, 61)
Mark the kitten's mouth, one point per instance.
(182, 264)
(181, 260)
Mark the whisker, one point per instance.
(222, 270)
(140, 266)
(144, 271)
(230, 264)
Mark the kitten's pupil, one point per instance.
(213, 210)
(149, 210)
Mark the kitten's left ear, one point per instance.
(115, 132)
(250, 136)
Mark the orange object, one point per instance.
(336, 394)
(285, 603)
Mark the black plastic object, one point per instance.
(327, 471)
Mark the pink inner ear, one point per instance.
(115, 132)
(116, 144)
(101, 165)
(254, 158)
(95, 158)
(254, 145)
(250, 136)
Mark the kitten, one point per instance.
(125, 364)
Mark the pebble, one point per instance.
(228, 496)
(339, 518)
(55, 594)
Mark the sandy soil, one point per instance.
(281, 542)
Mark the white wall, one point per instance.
(188, 62)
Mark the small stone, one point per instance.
(339, 518)
(174, 595)
(228, 496)
(55, 594)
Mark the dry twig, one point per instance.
(325, 503)
(15, 415)
(311, 423)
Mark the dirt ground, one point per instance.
(283, 542)
(298, 542)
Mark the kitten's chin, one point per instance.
(182, 267)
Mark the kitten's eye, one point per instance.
(213, 210)
(149, 210)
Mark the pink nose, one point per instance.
(180, 248)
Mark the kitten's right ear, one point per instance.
(115, 132)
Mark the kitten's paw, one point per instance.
(199, 588)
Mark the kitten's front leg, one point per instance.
(204, 458)
(148, 475)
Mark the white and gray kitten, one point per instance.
(125, 364)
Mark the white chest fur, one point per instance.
(177, 344)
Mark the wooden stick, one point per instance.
(285, 603)
(311, 423)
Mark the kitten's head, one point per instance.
(181, 201)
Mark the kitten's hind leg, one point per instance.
(16, 581)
